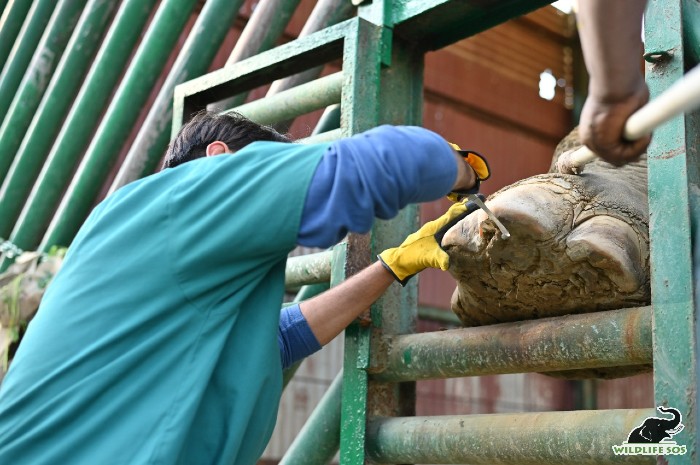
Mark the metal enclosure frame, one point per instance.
(381, 82)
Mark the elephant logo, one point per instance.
(656, 430)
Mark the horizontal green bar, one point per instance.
(328, 136)
(438, 314)
(556, 438)
(293, 57)
(593, 340)
(297, 101)
(308, 269)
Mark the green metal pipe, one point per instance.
(439, 315)
(200, 47)
(318, 440)
(65, 150)
(265, 26)
(23, 50)
(203, 42)
(133, 91)
(13, 16)
(36, 79)
(328, 127)
(556, 438)
(325, 13)
(329, 136)
(308, 269)
(60, 94)
(294, 102)
(329, 120)
(601, 339)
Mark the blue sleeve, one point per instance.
(374, 174)
(295, 338)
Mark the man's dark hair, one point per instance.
(234, 129)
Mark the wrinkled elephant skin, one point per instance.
(578, 244)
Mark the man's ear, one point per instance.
(217, 148)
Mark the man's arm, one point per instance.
(328, 314)
(610, 35)
(373, 175)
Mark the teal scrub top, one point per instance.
(156, 342)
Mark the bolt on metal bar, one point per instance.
(556, 438)
(11, 21)
(115, 126)
(319, 438)
(601, 339)
(199, 50)
(33, 145)
(308, 269)
(65, 150)
(23, 50)
(36, 78)
(294, 102)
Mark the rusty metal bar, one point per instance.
(294, 102)
(308, 269)
(557, 438)
(602, 339)
(318, 440)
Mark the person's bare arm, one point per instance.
(610, 35)
(330, 313)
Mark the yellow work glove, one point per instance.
(480, 167)
(422, 249)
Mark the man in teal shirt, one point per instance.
(155, 343)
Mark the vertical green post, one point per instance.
(359, 112)
(199, 50)
(133, 91)
(673, 183)
(37, 77)
(60, 93)
(63, 151)
(11, 21)
(22, 51)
